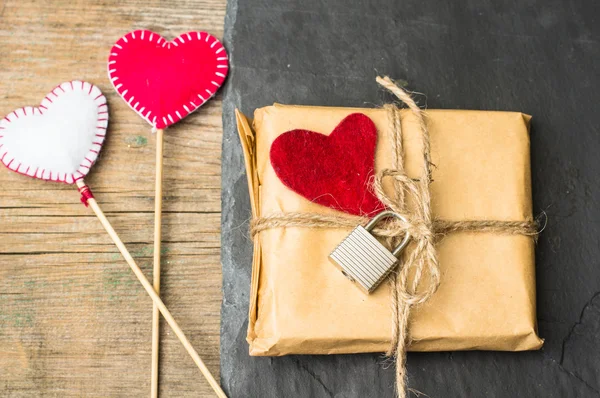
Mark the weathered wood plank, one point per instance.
(74, 321)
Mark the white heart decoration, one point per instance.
(60, 140)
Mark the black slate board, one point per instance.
(541, 57)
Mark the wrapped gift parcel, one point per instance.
(300, 303)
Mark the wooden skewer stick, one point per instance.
(157, 253)
(150, 290)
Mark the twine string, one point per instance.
(419, 276)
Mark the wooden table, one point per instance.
(74, 321)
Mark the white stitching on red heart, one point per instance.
(150, 36)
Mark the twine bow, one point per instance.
(419, 275)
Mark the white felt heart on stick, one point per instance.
(60, 140)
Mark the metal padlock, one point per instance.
(364, 260)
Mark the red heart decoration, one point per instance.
(166, 81)
(336, 170)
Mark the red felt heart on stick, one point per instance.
(336, 170)
(165, 81)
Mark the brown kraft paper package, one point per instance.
(300, 303)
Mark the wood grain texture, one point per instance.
(74, 321)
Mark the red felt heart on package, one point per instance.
(165, 81)
(336, 170)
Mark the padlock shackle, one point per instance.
(385, 214)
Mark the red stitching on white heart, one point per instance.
(92, 154)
